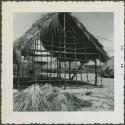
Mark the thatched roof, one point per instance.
(50, 30)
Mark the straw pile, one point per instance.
(66, 102)
(30, 99)
(47, 98)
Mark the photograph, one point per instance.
(63, 61)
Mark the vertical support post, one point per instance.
(41, 57)
(22, 73)
(100, 70)
(59, 65)
(86, 67)
(47, 63)
(65, 47)
(57, 69)
(18, 78)
(54, 67)
(76, 73)
(55, 75)
(50, 69)
(59, 58)
(81, 71)
(69, 69)
(95, 72)
(34, 46)
(32, 52)
(35, 61)
(86, 75)
(75, 60)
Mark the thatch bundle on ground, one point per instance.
(67, 102)
(47, 98)
(30, 99)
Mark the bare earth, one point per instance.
(102, 98)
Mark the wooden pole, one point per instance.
(47, 64)
(76, 70)
(82, 64)
(55, 75)
(64, 46)
(95, 72)
(100, 70)
(18, 78)
(41, 58)
(81, 70)
(57, 69)
(60, 59)
(69, 69)
(51, 70)
(86, 75)
(35, 63)
(86, 66)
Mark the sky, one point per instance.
(100, 24)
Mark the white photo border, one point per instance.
(8, 116)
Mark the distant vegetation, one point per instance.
(108, 68)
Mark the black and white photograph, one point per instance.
(63, 62)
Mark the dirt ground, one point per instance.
(102, 98)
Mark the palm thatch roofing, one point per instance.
(63, 35)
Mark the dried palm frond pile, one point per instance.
(66, 102)
(31, 99)
(47, 98)
(47, 90)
